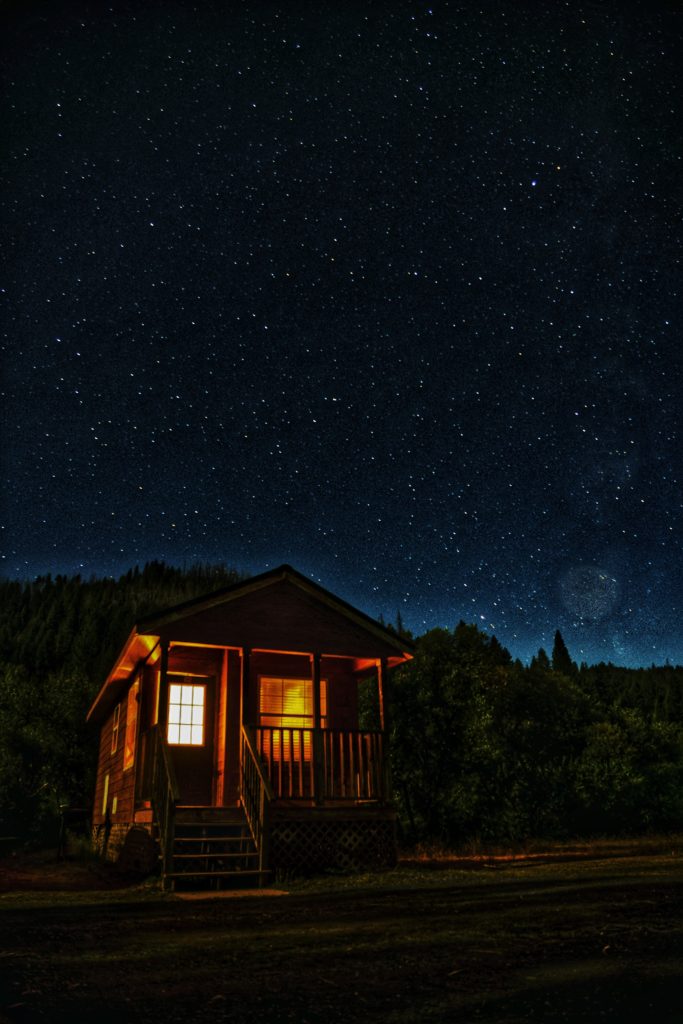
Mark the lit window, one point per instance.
(131, 727)
(186, 714)
(115, 729)
(285, 705)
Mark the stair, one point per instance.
(213, 848)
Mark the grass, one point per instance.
(569, 934)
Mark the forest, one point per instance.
(483, 747)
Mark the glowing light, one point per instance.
(186, 714)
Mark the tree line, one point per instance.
(485, 747)
(59, 637)
(482, 745)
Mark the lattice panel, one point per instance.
(304, 847)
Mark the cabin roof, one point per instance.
(146, 634)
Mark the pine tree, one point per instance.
(541, 660)
(561, 660)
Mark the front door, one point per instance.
(190, 731)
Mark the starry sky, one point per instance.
(387, 291)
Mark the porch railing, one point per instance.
(322, 764)
(353, 765)
(165, 795)
(256, 794)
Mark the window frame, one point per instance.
(131, 734)
(263, 678)
(203, 686)
(116, 722)
(287, 745)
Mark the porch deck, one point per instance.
(309, 798)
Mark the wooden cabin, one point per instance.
(230, 735)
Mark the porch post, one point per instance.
(246, 710)
(318, 742)
(221, 731)
(385, 723)
(162, 717)
(382, 689)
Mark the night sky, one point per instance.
(387, 291)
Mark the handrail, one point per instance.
(256, 794)
(169, 768)
(165, 794)
(249, 743)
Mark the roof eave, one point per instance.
(137, 648)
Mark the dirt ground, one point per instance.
(45, 872)
(566, 938)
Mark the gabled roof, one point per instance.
(147, 633)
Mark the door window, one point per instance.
(186, 705)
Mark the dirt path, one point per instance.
(585, 942)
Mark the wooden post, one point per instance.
(168, 809)
(315, 676)
(169, 840)
(234, 718)
(163, 689)
(318, 742)
(245, 706)
(221, 732)
(264, 844)
(245, 701)
(385, 723)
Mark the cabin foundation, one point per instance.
(306, 845)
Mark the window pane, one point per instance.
(186, 714)
(286, 707)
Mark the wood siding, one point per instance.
(279, 617)
(121, 783)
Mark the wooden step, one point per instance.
(209, 816)
(214, 855)
(248, 873)
(218, 836)
(213, 839)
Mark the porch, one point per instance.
(309, 798)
